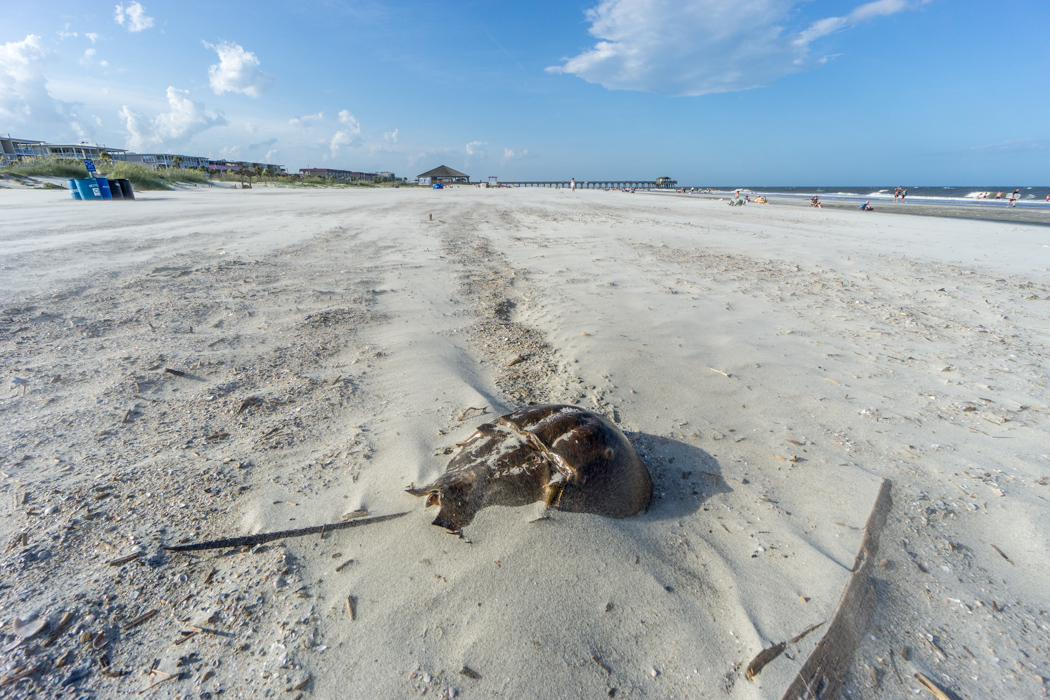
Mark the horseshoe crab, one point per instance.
(572, 459)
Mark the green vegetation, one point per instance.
(144, 178)
(48, 167)
(141, 177)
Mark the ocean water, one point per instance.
(1030, 197)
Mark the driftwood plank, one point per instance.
(824, 672)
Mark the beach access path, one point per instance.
(210, 363)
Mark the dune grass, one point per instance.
(48, 167)
(141, 177)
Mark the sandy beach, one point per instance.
(212, 363)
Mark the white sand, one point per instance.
(857, 347)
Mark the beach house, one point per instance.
(14, 149)
(445, 174)
(337, 175)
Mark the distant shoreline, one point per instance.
(1004, 213)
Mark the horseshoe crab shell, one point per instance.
(570, 458)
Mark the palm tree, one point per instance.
(177, 160)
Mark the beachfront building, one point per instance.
(167, 160)
(665, 182)
(337, 175)
(245, 165)
(445, 174)
(13, 150)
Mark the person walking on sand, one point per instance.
(1014, 196)
(572, 184)
(896, 195)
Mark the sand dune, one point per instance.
(772, 364)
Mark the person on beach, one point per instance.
(896, 195)
(866, 206)
(1014, 196)
(815, 202)
(904, 193)
(572, 184)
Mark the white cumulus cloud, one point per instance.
(350, 136)
(348, 119)
(340, 140)
(306, 119)
(391, 136)
(476, 148)
(24, 98)
(182, 122)
(133, 17)
(697, 47)
(92, 35)
(237, 71)
(510, 154)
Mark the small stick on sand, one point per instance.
(351, 608)
(724, 374)
(124, 560)
(262, 537)
(1003, 555)
(932, 687)
(144, 617)
(465, 413)
(770, 653)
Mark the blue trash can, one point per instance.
(89, 189)
(103, 184)
(72, 185)
(438, 186)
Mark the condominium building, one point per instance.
(13, 150)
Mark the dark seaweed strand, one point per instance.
(262, 537)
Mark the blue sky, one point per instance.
(750, 92)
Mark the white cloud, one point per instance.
(391, 136)
(429, 153)
(237, 71)
(348, 119)
(88, 56)
(185, 120)
(133, 17)
(271, 155)
(24, 98)
(476, 148)
(92, 35)
(342, 139)
(63, 35)
(349, 136)
(306, 119)
(697, 47)
(510, 154)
